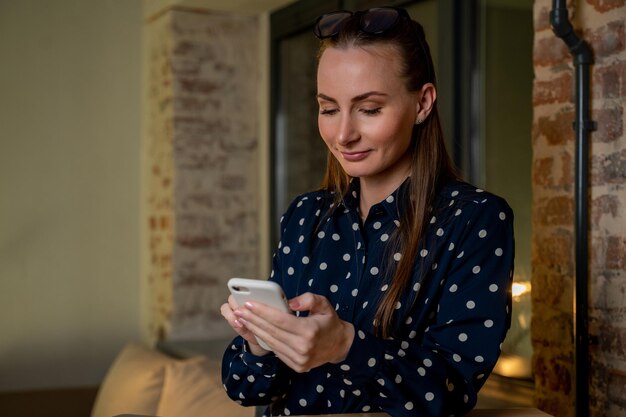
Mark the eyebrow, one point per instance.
(358, 98)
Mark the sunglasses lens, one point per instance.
(330, 24)
(379, 20)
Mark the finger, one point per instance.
(276, 339)
(234, 322)
(294, 346)
(296, 366)
(314, 303)
(285, 333)
(265, 319)
(278, 318)
(228, 314)
(232, 319)
(233, 304)
(270, 324)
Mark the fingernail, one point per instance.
(237, 323)
(249, 305)
(294, 304)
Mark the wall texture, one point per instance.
(601, 23)
(70, 117)
(202, 176)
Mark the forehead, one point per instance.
(380, 63)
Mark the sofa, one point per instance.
(170, 380)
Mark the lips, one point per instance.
(355, 156)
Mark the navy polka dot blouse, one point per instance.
(449, 324)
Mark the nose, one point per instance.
(347, 130)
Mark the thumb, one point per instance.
(310, 302)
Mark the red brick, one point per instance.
(610, 81)
(567, 172)
(606, 5)
(553, 255)
(557, 329)
(187, 47)
(550, 51)
(542, 172)
(542, 20)
(553, 374)
(608, 169)
(607, 204)
(617, 387)
(610, 124)
(196, 85)
(607, 40)
(552, 286)
(549, 288)
(557, 128)
(557, 90)
(612, 339)
(616, 257)
(608, 290)
(598, 380)
(557, 211)
(597, 257)
(554, 404)
(552, 250)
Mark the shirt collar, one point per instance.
(392, 204)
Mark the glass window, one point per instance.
(506, 118)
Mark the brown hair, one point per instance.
(430, 163)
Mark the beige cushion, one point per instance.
(193, 388)
(133, 384)
(146, 382)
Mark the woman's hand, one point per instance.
(302, 343)
(227, 311)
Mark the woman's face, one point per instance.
(366, 112)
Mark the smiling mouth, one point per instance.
(355, 156)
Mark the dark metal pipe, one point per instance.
(583, 58)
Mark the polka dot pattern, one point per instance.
(462, 274)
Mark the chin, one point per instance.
(352, 172)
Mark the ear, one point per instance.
(425, 102)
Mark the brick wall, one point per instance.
(201, 164)
(601, 23)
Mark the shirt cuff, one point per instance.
(266, 364)
(364, 359)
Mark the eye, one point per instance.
(328, 112)
(371, 112)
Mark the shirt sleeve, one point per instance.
(257, 380)
(438, 370)
(250, 379)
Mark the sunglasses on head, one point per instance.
(373, 21)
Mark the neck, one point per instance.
(373, 192)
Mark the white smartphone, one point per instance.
(266, 292)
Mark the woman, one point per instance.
(399, 273)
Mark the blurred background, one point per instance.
(148, 148)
